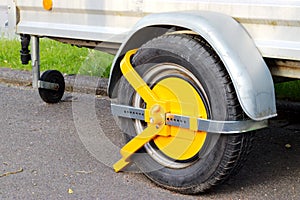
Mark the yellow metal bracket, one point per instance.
(155, 115)
(158, 106)
(135, 144)
(136, 81)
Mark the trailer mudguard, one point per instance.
(249, 73)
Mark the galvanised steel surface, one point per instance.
(248, 71)
(274, 25)
(211, 126)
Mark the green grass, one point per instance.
(73, 60)
(55, 55)
(288, 90)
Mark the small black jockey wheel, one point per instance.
(49, 95)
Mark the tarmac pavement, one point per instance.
(44, 152)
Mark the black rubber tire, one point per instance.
(229, 151)
(52, 96)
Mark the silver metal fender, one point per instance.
(249, 73)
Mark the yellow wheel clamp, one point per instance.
(159, 119)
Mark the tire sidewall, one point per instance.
(203, 66)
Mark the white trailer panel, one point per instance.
(274, 25)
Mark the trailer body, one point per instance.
(273, 25)
(107, 24)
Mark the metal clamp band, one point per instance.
(206, 125)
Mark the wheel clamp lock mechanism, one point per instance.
(158, 117)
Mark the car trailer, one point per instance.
(191, 79)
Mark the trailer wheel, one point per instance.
(52, 96)
(168, 64)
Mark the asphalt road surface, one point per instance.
(65, 151)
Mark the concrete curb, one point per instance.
(288, 106)
(98, 86)
(76, 83)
